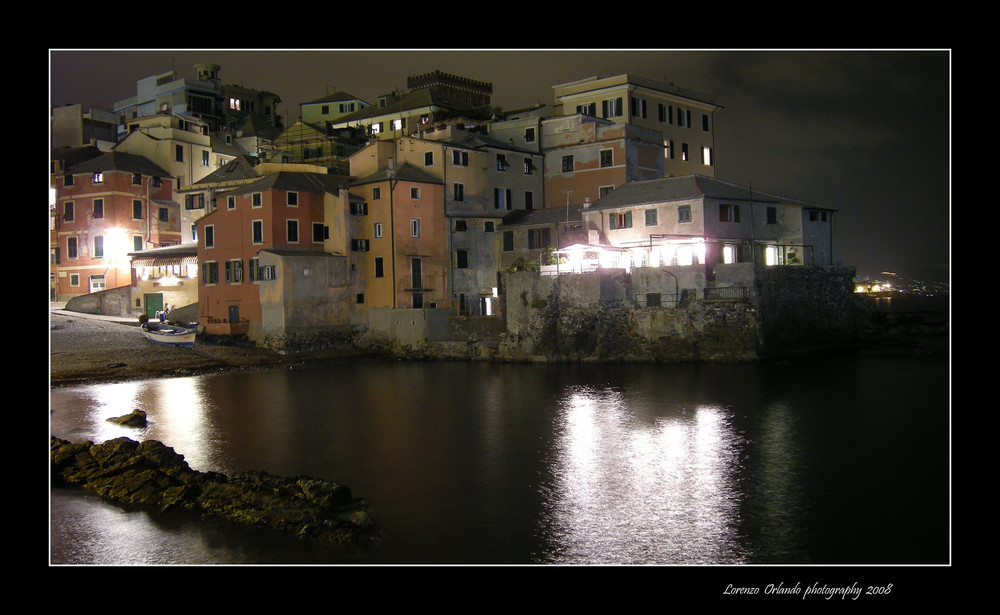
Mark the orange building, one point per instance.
(280, 211)
(106, 207)
(404, 236)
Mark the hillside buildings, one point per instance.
(419, 202)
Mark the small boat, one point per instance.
(159, 333)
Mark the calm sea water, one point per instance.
(833, 459)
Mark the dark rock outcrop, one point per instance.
(150, 473)
(136, 419)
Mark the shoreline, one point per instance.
(92, 351)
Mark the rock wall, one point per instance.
(805, 308)
(595, 317)
(151, 474)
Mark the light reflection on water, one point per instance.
(626, 490)
(479, 463)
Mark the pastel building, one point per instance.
(104, 208)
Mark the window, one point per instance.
(257, 231)
(508, 241)
(414, 192)
(638, 107)
(234, 271)
(253, 268)
(607, 157)
(704, 122)
(164, 214)
(489, 226)
(359, 208)
(71, 248)
(502, 198)
(98, 247)
(428, 159)
(179, 153)
(377, 229)
(376, 193)
(605, 190)
(74, 279)
(136, 242)
(772, 215)
(267, 272)
(136, 209)
(611, 107)
(68, 211)
(539, 238)
(204, 157)
(650, 217)
(97, 178)
(461, 259)
(706, 156)
(379, 267)
(136, 179)
(98, 208)
(684, 152)
(230, 202)
(318, 232)
(459, 159)
(292, 199)
(729, 213)
(414, 227)
(209, 236)
(653, 300)
(620, 220)
(666, 114)
(461, 225)
(683, 213)
(529, 135)
(529, 166)
(292, 230)
(529, 199)
(194, 201)
(398, 124)
(567, 164)
(458, 192)
(668, 149)
(359, 298)
(360, 245)
(325, 110)
(501, 162)
(817, 216)
(67, 180)
(256, 199)
(210, 273)
(587, 109)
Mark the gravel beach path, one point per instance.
(83, 350)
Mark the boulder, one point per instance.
(149, 473)
(137, 418)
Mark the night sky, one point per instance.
(866, 132)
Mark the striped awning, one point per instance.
(163, 261)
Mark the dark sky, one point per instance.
(866, 132)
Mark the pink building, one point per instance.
(105, 208)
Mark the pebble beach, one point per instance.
(86, 350)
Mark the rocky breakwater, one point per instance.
(150, 473)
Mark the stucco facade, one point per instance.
(105, 208)
(282, 210)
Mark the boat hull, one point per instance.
(170, 336)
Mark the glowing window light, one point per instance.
(770, 256)
(728, 254)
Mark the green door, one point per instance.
(153, 302)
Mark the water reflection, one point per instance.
(179, 413)
(630, 490)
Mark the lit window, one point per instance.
(706, 156)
